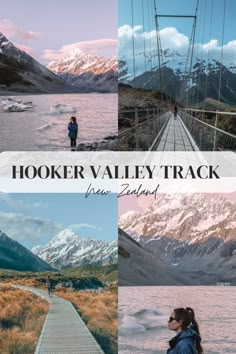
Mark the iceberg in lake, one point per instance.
(62, 108)
(12, 104)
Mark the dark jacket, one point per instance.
(73, 130)
(184, 342)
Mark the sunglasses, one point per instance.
(172, 319)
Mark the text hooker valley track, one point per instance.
(115, 172)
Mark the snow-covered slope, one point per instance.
(193, 217)
(87, 72)
(69, 249)
(77, 62)
(19, 72)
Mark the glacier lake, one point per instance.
(144, 312)
(44, 129)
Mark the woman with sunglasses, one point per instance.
(187, 339)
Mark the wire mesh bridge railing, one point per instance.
(206, 136)
(140, 127)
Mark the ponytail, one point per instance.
(195, 326)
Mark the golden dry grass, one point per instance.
(22, 315)
(99, 310)
(25, 281)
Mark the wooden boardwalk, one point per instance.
(176, 137)
(63, 331)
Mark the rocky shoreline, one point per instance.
(109, 143)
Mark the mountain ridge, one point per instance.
(175, 80)
(14, 256)
(19, 72)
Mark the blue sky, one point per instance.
(34, 219)
(183, 7)
(175, 33)
(57, 23)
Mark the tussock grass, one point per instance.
(22, 315)
(99, 311)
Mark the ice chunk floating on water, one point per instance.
(61, 108)
(141, 321)
(46, 126)
(12, 104)
(129, 325)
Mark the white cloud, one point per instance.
(95, 47)
(75, 227)
(21, 227)
(171, 38)
(10, 30)
(214, 48)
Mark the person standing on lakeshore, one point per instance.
(73, 132)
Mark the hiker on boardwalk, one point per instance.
(73, 132)
(49, 285)
(187, 339)
(175, 110)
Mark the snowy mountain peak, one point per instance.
(87, 72)
(69, 249)
(77, 62)
(66, 235)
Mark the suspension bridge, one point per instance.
(153, 126)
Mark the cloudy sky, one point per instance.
(175, 33)
(46, 30)
(33, 219)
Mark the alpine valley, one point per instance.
(67, 249)
(191, 235)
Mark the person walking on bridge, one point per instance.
(175, 111)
